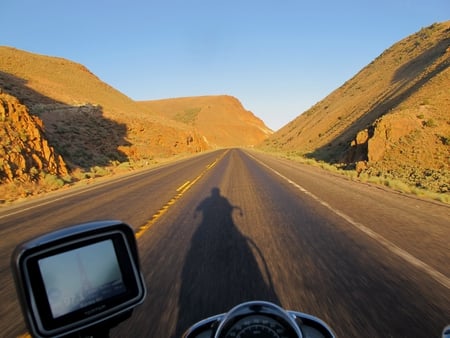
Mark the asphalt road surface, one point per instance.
(233, 225)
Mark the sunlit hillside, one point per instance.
(392, 119)
(69, 99)
(222, 120)
(86, 120)
(64, 109)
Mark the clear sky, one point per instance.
(279, 57)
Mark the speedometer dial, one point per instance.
(257, 331)
(257, 326)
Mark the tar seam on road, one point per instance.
(436, 275)
(180, 192)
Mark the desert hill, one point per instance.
(58, 121)
(87, 121)
(391, 119)
(91, 124)
(40, 79)
(221, 120)
(24, 151)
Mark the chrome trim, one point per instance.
(210, 321)
(263, 307)
(302, 316)
(446, 332)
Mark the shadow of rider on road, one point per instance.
(217, 204)
(220, 269)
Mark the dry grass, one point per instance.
(17, 190)
(86, 120)
(99, 131)
(92, 124)
(384, 180)
(403, 95)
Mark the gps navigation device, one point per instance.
(78, 278)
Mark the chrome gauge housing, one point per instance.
(258, 318)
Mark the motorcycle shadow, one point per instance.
(220, 268)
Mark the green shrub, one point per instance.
(430, 123)
(188, 116)
(124, 165)
(53, 181)
(445, 140)
(99, 171)
(67, 178)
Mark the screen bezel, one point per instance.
(39, 305)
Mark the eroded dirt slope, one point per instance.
(390, 119)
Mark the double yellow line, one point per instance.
(180, 192)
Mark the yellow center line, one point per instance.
(183, 186)
(180, 192)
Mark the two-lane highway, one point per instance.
(133, 198)
(232, 225)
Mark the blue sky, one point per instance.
(279, 57)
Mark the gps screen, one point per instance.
(81, 277)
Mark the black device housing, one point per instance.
(99, 307)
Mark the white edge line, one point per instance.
(436, 275)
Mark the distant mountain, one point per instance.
(221, 120)
(391, 119)
(90, 124)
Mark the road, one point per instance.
(234, 225)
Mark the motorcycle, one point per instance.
(83, 280)
(260, 319)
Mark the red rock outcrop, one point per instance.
(24, 152)
(388, 130)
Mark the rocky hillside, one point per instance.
(25, 154)
(87, 121)
(91, 124)
(391, 119)
(221, 120)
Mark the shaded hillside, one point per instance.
(222, 120)
(25, 154)
(58, 79)
(392, 118)
(87, 121)
(92, 124)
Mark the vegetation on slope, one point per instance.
(391, 120)
(222, 120)
(87, 121)
(94, 129)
